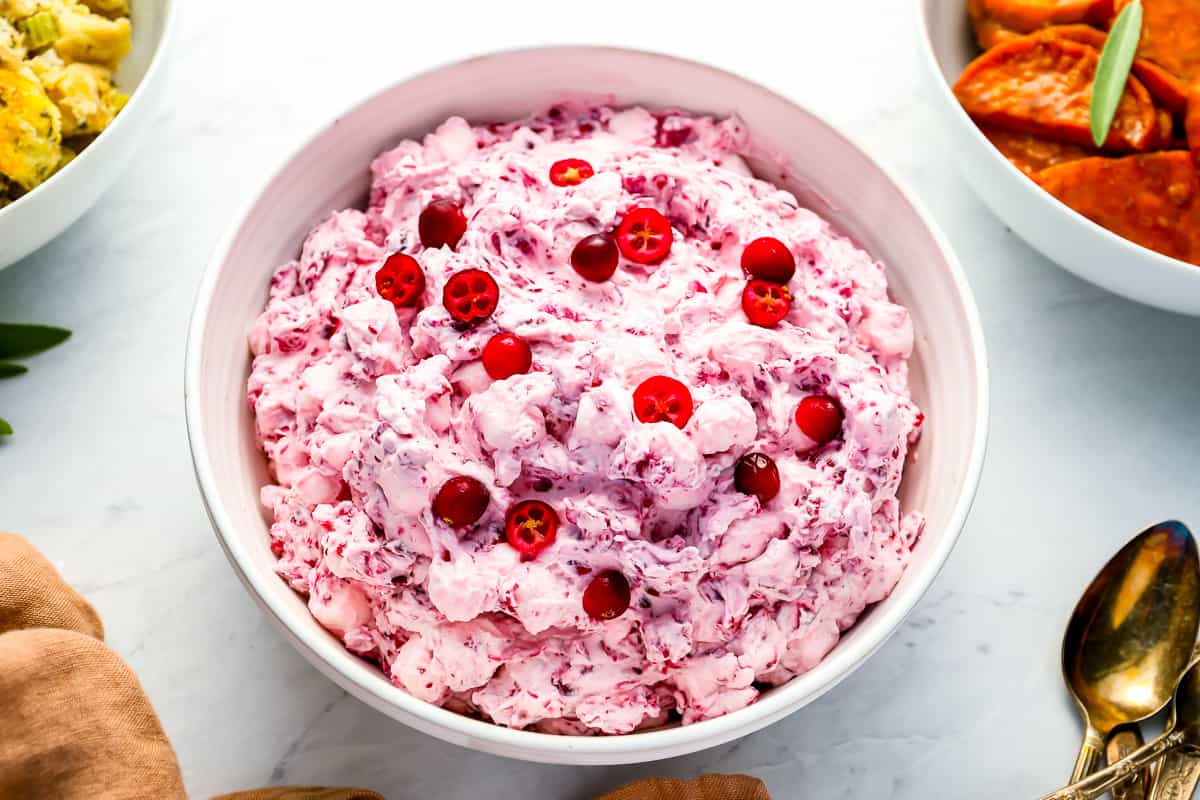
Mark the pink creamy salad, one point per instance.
(364, 410)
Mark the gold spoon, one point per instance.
(1131, 635)
(1183, 731)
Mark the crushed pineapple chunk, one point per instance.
(30, 128)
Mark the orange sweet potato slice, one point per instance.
(1030, 153)
(1191, 123)
(1151, 199)
(1029, 15)
(1043, 85)
(1171, 36)
(988, 31)
(1164, 87)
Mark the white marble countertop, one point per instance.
(1095, 432)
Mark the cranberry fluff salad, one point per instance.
(580, 427)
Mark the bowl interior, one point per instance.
(149, 20)
(792, 148)
(949, 30)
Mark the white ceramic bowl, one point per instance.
(49, 209)
(1062, 235)
(826, 170)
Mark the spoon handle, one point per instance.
(1100, 782)
(1121, 743)
(1178, 774)
(1091, 756)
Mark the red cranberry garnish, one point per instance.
(769, 259)
(506, 355)
(766, 303)
(595, 257)
(756, 474)
(606, 596)
(441, 224)
(531, 526)
(662, 399)
(819, 417)
(570, 172)
(470, 295)
(644, 236)
(461, 501)
(400, 280)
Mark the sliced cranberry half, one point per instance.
(400, 280)
(505, 355)
(441, 224)
(606, 596)
(570, 172)
(530, 527)
(595, 257)
(461, 501)
(769, 259)
(766, 303)
(819, 417)
(662, 399)
(756, 474)
(644, 236)
(470, 295)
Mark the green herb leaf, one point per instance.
(5, 428)
(10, 370)
(22, 341)
(1113, 70)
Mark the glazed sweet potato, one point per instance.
(1043, 85)
(1030, 153)
(1026, 16)
(1171, 36)
(988, 31)
(1165, 88)
(1192, 123)
(1150, 199)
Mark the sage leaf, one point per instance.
(1112, 72)
(10, 370)
(22, 341)
(5, 428)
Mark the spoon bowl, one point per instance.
(1131, 635)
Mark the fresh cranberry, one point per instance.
(530, 527)
(606, 596)
(766, 303)
(461, 501)
(570, 172)
(470, 295)
(644, 236)
(756, 474)
(819, 417)
(441, 224)
(662, 399)
(400, 280)
(595, 257)
(769, 259)
(506, 355)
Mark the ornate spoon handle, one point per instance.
(1100, 782)
(1178, 774)
(1120, 744)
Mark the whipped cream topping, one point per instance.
(365, 410)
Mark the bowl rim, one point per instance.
(332, 658)
(120, 122)
(1129, 248)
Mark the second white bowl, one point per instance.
(1068, 238)
(798, 150)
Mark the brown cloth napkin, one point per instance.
(75, 723)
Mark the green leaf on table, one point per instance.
(5, 428)
(10, 370)
(1112, 72)
(22, 341)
